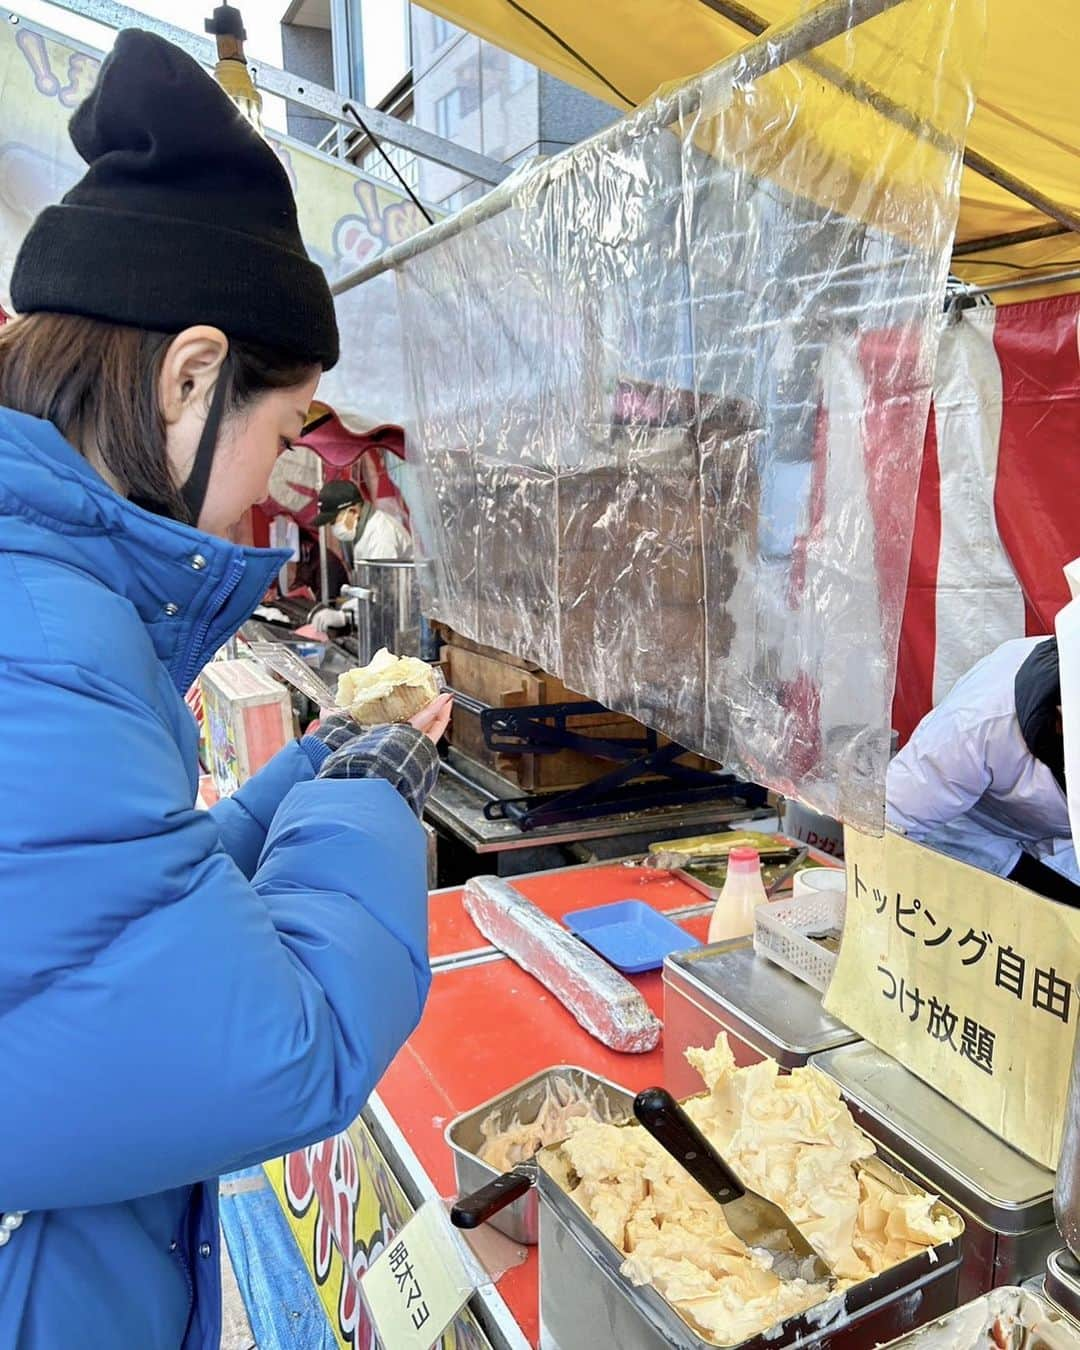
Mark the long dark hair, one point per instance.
(97, 383)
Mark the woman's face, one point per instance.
(249, 440)
(248, 444)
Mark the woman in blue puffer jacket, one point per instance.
(181, 992)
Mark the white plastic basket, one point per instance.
(783, 929)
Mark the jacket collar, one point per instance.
(1037, 691)
(191, 590)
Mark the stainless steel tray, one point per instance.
(948, 1150)
(582, 1287)
(520, 1221)
(1032, 1323)
(756, 1001)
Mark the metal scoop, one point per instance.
(756, 1221)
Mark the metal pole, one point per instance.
(324, 561)
(786, 43)
(304, 93)
(992, 241)
(986, 168)
(750, 22)
(1046, 279)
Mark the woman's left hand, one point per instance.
(435, 718)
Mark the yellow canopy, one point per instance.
(1027, 119)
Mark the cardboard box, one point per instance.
(248, 720)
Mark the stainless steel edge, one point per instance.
(1062, 1283)
(519, 1221)
(919, 1126)
(679, 976)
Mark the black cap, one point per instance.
(336, 497)
(184, 216)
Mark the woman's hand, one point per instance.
(435, 718)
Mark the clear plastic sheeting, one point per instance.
(670, 393)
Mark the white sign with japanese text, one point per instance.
(967, 979)
(420, 1283)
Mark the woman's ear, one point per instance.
(189, 371)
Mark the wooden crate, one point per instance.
(503, 682)
(248, 719)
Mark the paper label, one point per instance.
(967, 979)
(421, 1282)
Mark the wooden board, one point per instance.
(500, 684)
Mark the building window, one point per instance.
(441, 31)
(517, 75)
(447, 113)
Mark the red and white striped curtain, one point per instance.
(998, 510)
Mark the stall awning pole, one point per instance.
(789, 42)
(1036, 279)
(750, 22)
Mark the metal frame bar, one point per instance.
(304, 93)
(992, 241)
(750, 22)
(789, 42)
(1020, 283)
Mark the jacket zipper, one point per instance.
(182, 1259)
(217, 603)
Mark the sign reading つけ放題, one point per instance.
(967, 979)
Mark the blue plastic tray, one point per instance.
(629, 934)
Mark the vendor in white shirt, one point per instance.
(983, 776)
(365, 533)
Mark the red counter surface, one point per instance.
(490, 1025)
(557, 893)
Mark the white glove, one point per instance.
(330, 619)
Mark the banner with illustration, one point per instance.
(345, 1206)
(346, 217)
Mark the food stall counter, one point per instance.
(453, 933)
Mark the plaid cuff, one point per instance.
(402, 755)
(333, 733)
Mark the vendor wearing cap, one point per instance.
(983, 776)
(365, 533)
(182, 992)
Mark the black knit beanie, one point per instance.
(185, 216)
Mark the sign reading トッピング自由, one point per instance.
(967, 979)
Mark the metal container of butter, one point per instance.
(522, 1103)
(766, 1012)
(1005, 1198)
(1008, 1318)
(587, 1303)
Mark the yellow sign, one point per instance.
(967, 979)
(345, 1208)
(419, 1285)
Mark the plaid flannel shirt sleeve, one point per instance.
(402, 755)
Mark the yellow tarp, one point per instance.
(1027, 118)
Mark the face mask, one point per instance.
(341, 533)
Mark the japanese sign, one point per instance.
(421, 1282)
(967, 979)
(346, 1208)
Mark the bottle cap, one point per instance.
(744, 860)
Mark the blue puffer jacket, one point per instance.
(182, 993)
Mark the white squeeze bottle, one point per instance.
(743, 890)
